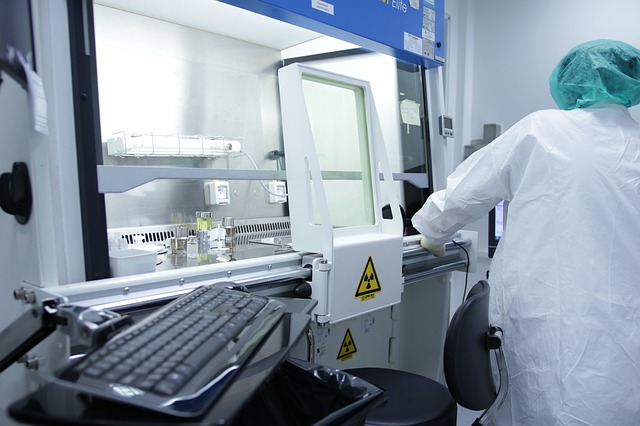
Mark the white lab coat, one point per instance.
(565, 279)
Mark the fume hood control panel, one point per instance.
(446, 126)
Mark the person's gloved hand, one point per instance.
(436, 249)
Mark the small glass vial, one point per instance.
(179, 241)
(204, 227)
(192, 247)
(230, 233)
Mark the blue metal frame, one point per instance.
(410, 30)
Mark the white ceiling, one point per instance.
(219, 18)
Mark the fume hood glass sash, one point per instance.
(337, 168)
(338, 123)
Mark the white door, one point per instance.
(15, 252)
(47, 250)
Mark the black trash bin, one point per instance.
(301, 393)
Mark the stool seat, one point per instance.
(412, 400)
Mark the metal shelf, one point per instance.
(117, 179)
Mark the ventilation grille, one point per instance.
(254, 231)
(246, 230)
(158, 237)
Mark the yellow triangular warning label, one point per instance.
(369, 284)
(347, 348)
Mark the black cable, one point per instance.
(466, 277)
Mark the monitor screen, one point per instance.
(15, 31)
(496, 227)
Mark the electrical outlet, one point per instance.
(217, 193)
(277, 192)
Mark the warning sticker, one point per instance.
(369, 284)
(347, 348)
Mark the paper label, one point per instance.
(37, 98)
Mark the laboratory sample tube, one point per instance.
(192, 247)
(204, 226)
(179, 241)
(230, 233)
(219, 239)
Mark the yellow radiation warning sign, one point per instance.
(369, 284)
(347, 348)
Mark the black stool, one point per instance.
(412, 400)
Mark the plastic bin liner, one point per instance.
(304, 393)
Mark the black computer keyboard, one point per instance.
(181, 358)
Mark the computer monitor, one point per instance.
(496, 227)
(15, 31)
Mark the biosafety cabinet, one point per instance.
(200, 142)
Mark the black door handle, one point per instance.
(15, 192)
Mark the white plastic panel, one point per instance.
(339, 180)
(360, 341)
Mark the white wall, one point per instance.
(517, 44)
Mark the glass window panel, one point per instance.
(338, 120)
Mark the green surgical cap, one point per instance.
(596, 71)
